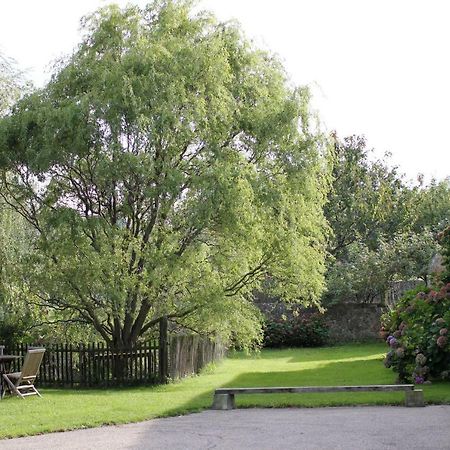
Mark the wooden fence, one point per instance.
(189, 354)
(96, 364)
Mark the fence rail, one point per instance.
(96, 364)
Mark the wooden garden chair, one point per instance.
(22, 383)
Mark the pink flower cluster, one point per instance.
(442, 341)
(435, 296)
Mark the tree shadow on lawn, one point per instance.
(332, 374)
(331, 354)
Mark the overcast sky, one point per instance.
(377, 67)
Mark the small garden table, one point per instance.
(5, 363)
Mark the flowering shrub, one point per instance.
(300, 330)
(416, 332)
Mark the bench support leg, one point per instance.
(223, 401)
(414, 398)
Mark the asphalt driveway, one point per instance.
(293, 428)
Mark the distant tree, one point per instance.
(364, 275)
(433, 206)
(12, 84)
(410, 255)
(382, 227)
(368, 201)
(168, 170)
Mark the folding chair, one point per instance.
(22, 383)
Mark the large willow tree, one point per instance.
(15, 236)
(169, 170)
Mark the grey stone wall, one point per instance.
(347, 322)
(354, 322)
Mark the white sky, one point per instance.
(376, 67)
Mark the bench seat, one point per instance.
(224, 397)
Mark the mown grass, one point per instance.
(63, 409)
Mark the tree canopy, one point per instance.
(15, 234)
(12, 83)
(369, 201)
(384, 228)
(168, 169)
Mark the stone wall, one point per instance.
(354, 322)
(347, 322)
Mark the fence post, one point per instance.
(163, 350)
(83, 380)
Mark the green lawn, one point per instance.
(351, 364)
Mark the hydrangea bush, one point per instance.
(417, 333)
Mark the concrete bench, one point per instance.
(224, 397)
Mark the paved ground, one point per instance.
(321, 428)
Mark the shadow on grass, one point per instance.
(332, 373)
(361, 351)
(359, 372)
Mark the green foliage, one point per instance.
(16, 241)
(433, 206)
(11, 84)
(167, 169)
(418, 338)
(301, 329)
(383, 228)
(368, 201)
(360, 277)
(22, 317)
(410, 254)
(16, 236)
(364, 275)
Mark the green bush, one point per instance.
(418, 337)
(300, 330)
